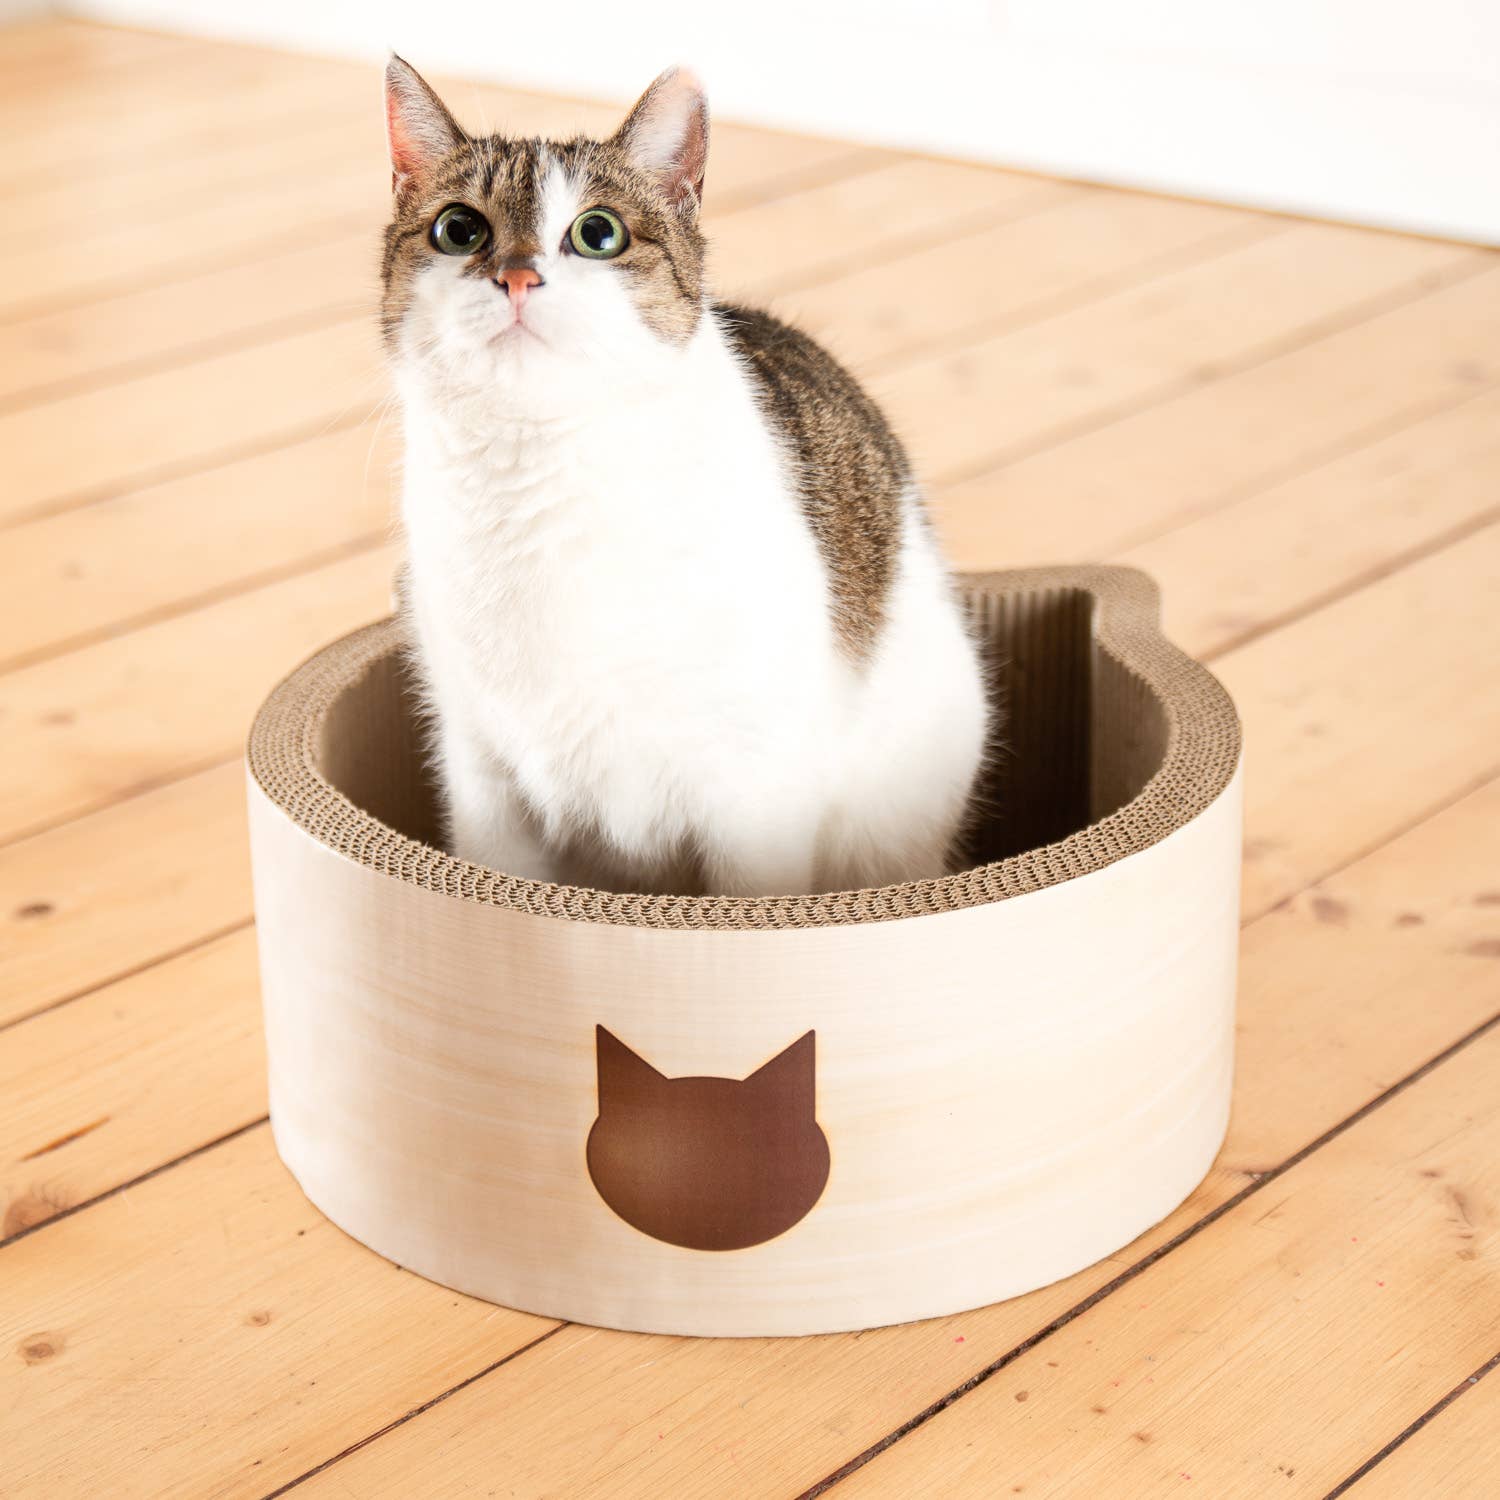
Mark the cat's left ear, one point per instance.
(791, 1075)
(666, 136)
(418, 127)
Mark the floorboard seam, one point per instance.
(136, 1181)
(416, 1411)
(1134, 1270)
(156, 960)
(1394, 564)
(1409, 1432)
(356, 546)
(1317, 331)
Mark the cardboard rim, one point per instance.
(1202, 752)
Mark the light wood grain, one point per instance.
(191, 1027)
(643, 1416)
(105, 916)
(1263, 558)
(165, 216)
(1251, 493)
(83, 903)
(1083, 246)
(415, 1039)
(161, 188)
(42, 275)
(79, 575)
(188, 418)
(216, 557)
(1456, 1455)
(1368, 1268)
(869, 216)
(198, 313)
(221, 1255)
(1350, 698)
(595, 1404)
(1109, 489)
(966, 410)
(210, 99)
(130, 713)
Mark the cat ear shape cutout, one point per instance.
(708, 1163)
(419, 130)
(666, 136)
(623, 1074)
(791, 1076)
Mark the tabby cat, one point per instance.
(681, 622)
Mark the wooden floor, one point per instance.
(1294, 426)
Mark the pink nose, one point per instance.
(518, 281)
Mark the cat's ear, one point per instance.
(622, 1074)
(418, 127)
(666, 136)
(791, 1075)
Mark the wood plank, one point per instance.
(871, 216)
(1238, 570)
(624, 1415)
(1142, 474)
(1455, 1455)
(107, 1343)
(113, 914)
(163, 188)
(106, 894)
(189, 317)
(1081, 248)
(41, 275)
(965, 410)
(127, 1073)
(628, 1415)
(331, 278)
(45, 612)
(178, 216)
(78, 575)
(1349, 698)
(186, 418)
(218, 94)
(1325, 723)
(114, 738)
(1356, 665)
(158, 917)
(1369, 1271)
(223, 93)
(131, 713)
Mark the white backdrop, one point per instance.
(1379, 111)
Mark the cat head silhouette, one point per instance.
(708, 1163)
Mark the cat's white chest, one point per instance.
(612, 607)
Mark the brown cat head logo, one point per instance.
(708, 1163)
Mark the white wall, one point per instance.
(1379, 111)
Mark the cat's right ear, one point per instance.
(666, 136)
(418, 127)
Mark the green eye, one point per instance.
(598, 234)
(459, 230)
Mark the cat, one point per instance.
(678, 615)
(708, 1163)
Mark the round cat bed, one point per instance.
(706, 1115)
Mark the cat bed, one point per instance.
(706, 1115)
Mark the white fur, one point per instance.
(623, 617)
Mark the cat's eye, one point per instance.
(598, 234)
(458, 230)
